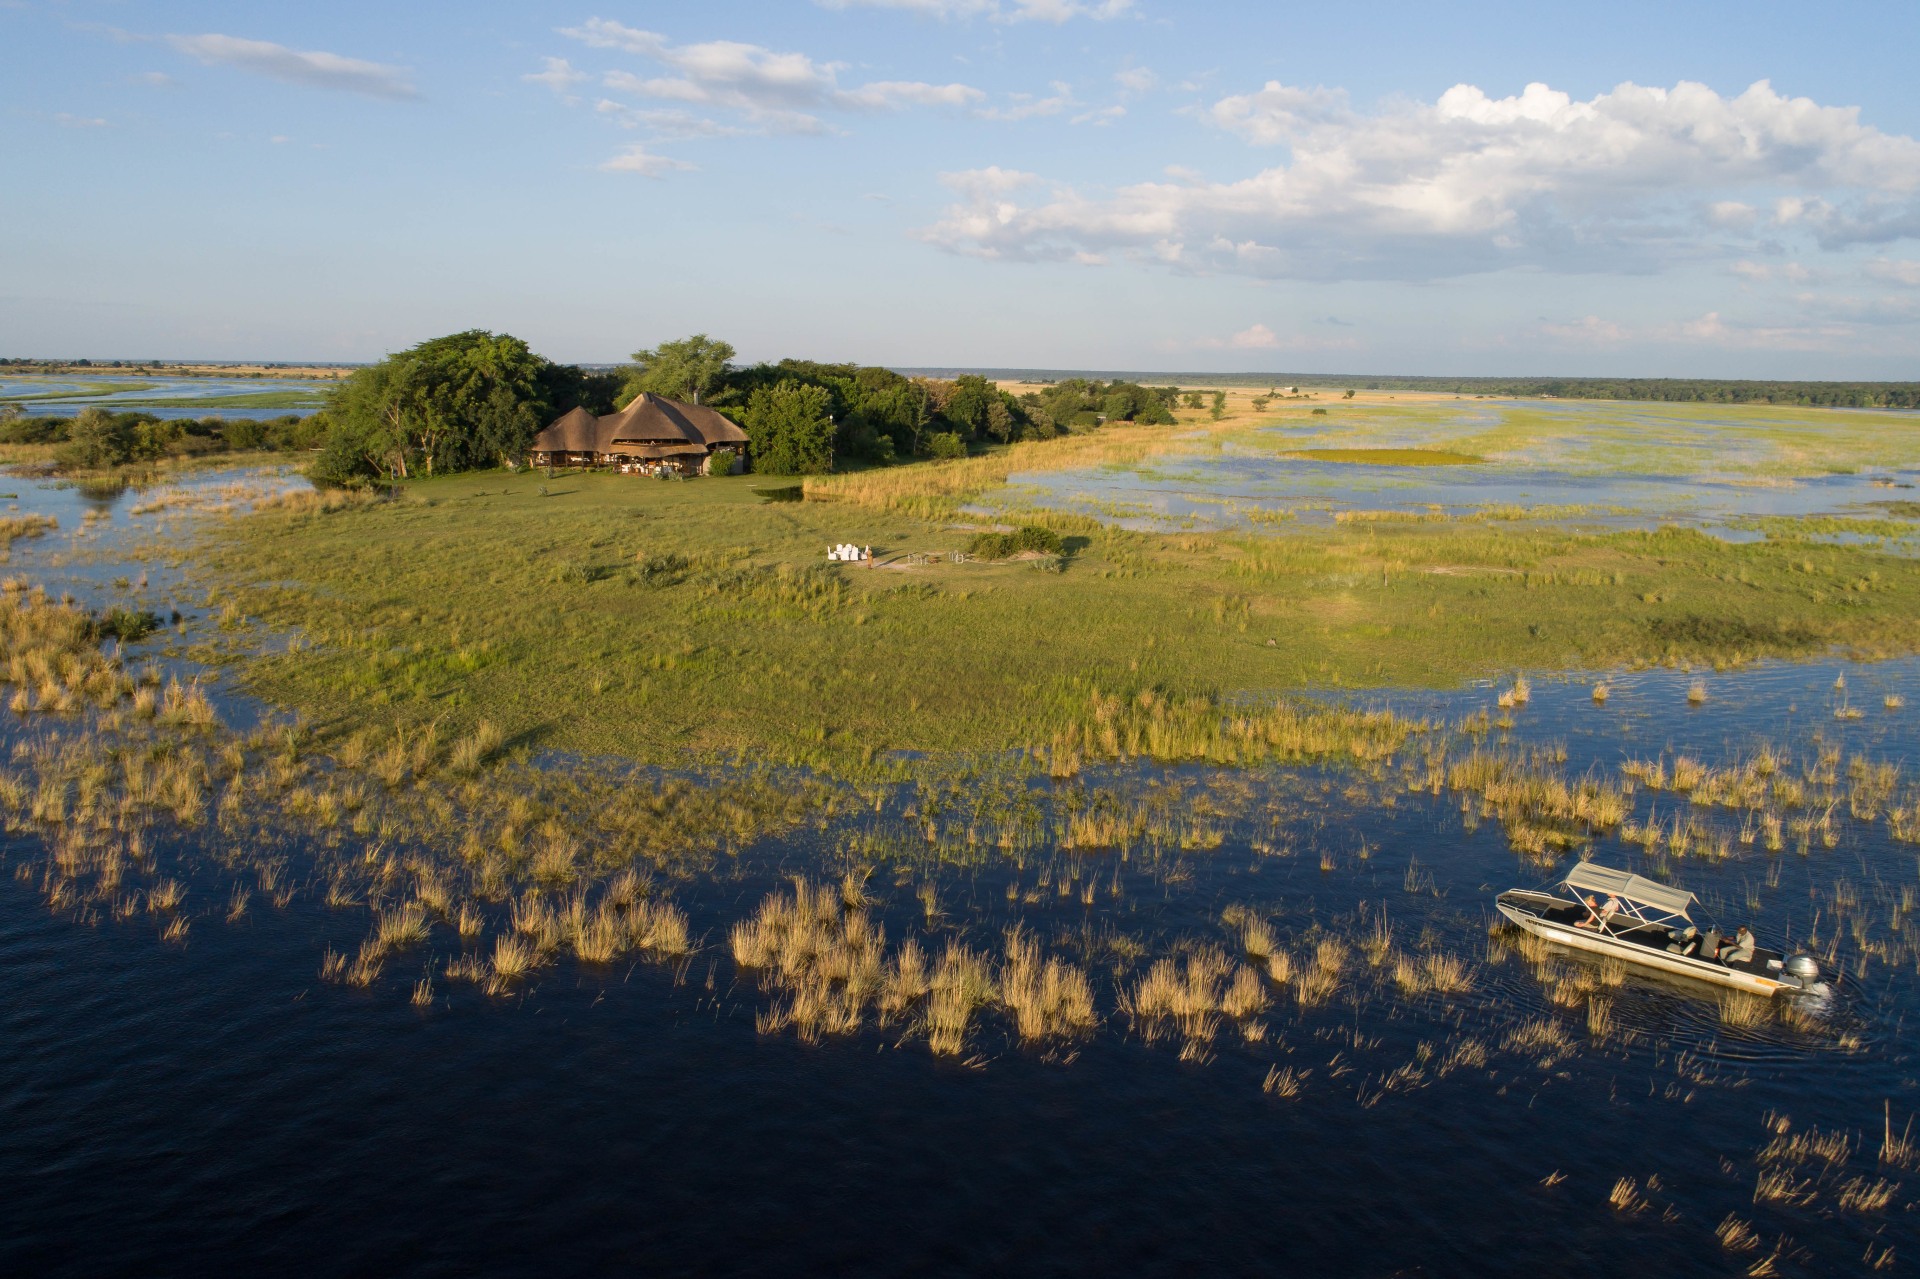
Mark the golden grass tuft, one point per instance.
(1736, 1235)
(1049, 999)
(1285, 1083)
(1742, 1011)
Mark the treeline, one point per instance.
(97, 438)
(1864, 395)
(476, 399)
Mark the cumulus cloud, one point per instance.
(1895, 271)
(637, 159)
(1055, 11)
(314, 69)
(1628, 180)
(1136, 79)
(557, 74)
(776, 91)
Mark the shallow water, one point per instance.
(1228, 490)
(163, 397)
(164, 1109)
(1589, 464)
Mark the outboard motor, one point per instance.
(1804, 972)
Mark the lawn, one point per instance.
(649, 619)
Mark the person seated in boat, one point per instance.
(1740, 949)
(1598, 912)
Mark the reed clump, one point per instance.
(1048, 998)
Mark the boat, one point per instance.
(1649, 924)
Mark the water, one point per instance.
(1588, 464)
(1231, 490)
(164, 1109)
(166, 397)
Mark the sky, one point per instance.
(1627, 189)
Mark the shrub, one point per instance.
(127, 624)
(1028, 537)
(946, 444)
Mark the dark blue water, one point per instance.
(175, 1110)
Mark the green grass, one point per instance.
(1389, 457)
(651, 619)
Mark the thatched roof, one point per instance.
(575, 431)
(649, 420)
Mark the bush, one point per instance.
(126, 624)
(946, 444)
(1028, 537)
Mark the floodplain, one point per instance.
(589, 842)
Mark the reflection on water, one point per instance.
(164, 1104)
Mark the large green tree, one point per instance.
(455, 403)
(689, 369)
(789, 426)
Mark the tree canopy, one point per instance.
(689, 369)
(790, 428)
(467, 400)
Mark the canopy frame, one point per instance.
(1637, 902)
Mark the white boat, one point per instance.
(1642, 922)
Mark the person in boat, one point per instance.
(1598, 913)
(1740, 949)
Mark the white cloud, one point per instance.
(557, 74)
(1099, 115)
(155, 80)
(1588, 330)
(1055, 11)
(779, 92)
(1761, 272)
(637, 159)
(314, 69)
(1025, 106)
(1470, 183)
(665, 122)
(68, 120)
(1258, 337)
(1895, 271)
(1136, 79)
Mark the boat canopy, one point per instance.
(1629, 887)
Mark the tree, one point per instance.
(455, 403)
(790, 429)
(1219, 405)
(98, 438)
(683, 370)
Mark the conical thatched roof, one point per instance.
(649, 420)
(575, 431)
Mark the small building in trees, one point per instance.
(650, 435)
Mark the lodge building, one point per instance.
(651, 435)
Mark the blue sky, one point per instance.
(1653, 189)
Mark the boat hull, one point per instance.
(1643, 956)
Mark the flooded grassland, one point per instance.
(540, 873)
